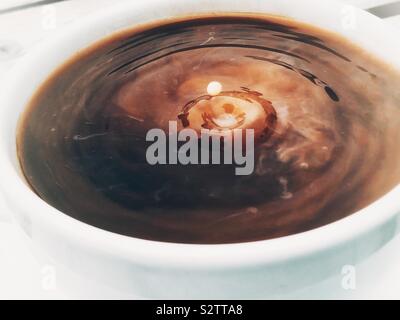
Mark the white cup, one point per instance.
(151, 269)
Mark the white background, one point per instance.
(28, 274)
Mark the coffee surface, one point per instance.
(331, 148)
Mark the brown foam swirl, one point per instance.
(331, 147)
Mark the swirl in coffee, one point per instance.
(325, 116)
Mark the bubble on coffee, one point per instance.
(325, 115)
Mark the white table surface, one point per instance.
(26, 273)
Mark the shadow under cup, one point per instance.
(328, 147)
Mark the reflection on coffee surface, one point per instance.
(325, 115)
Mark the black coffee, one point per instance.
(329, 146)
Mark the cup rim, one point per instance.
(179, 255)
